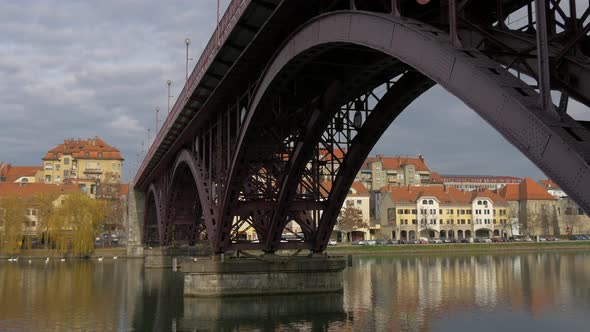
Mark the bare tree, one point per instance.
(109, 191)
(351, 219)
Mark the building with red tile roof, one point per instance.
(82, 161)
(28, 190)
(540, 211)
(553, 188)
(475, 182)
(380, 171)
(409, 212)
(358, 198)
(10, 173)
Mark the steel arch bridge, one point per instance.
(289, 93)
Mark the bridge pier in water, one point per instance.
(265, 275)
(163, 257)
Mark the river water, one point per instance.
(504, 292)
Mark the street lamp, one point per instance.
(169, 82)
(157, 121)
(148, 139)
(187, 41)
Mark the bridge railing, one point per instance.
(232, 14)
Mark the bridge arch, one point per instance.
(508, 104)
(182, 223)
(152, 223)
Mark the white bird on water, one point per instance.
(115, 257)
(46, 260)
(10, 259)
(100, 259)
(63, 259)
(30, 261)
(15, 259)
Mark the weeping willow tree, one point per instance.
(12, 219)
(75, 223)
(45, 204)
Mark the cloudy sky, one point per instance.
(77, 69)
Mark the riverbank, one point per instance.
(458, 248)
(43, 253)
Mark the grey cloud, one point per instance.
(86, 68)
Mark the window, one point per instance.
(57, 179)
(486, 211)
(414, 211)
(407, 211)
(424, 202)
(100, 155)
(468, 211)
(359, 202)
(48, 167)
(391, 214)
(86, 154)
(400, 211)
(47, 178)
(66, 173)
(114, 166)
(440, 211)
(413, 221)
(57, 167)
(66, 161)
(430, 202)
(580, 211)
(478, 202)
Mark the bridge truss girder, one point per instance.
(319, 108)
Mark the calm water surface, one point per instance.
(521, 292)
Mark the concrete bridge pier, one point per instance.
(163, 257)
(264, 275)
(135, 213)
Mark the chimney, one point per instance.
(420, 157)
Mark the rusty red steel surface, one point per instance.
(314, 88)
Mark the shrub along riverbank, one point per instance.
(459, 247)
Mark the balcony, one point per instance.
(93, 171)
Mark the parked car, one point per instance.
(370, 242)
(438, 241)
(332, 242)
(381, 241)
(467, 240)
(393, 242)
(446, 240)
(497, 239)
(423, 240)
(551, 238)
(542, 239)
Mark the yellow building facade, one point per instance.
(410, 213)
(82, 162)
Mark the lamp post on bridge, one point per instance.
(169, 82)
(148, 140)
(187, 41)
(157, 121)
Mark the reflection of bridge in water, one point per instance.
(288, 93)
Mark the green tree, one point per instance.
(12, 220)
(45, 204)
(81, 216)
